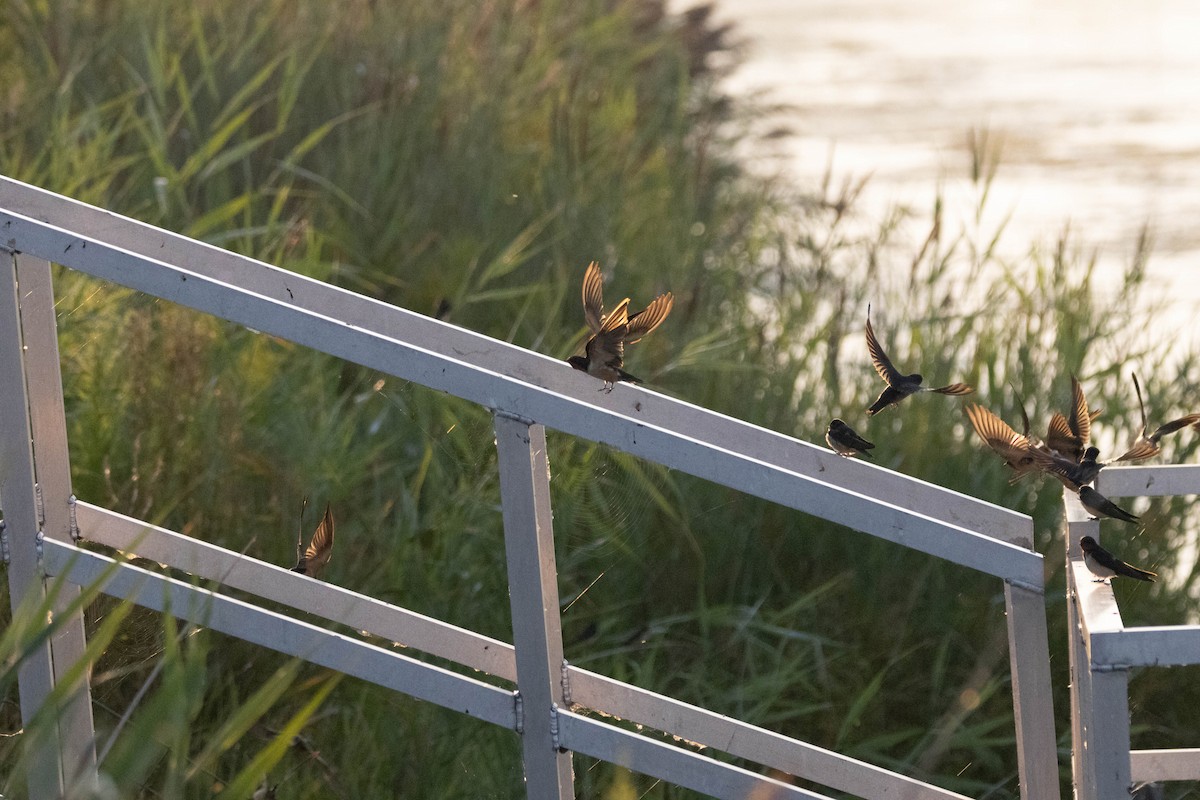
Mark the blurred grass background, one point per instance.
(467, 160)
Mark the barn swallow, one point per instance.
(1013, 447)
(844, 441)
(604, 353)
(312, 560)
(1069, 436)
(898, 386)
(1100, 506)
(1147, 444)
(1105, 566)
(1072, 474)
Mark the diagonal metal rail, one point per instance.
(527, 392)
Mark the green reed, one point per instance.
(469, 160)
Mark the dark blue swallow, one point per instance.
(899, 386)
(1104, 565)
(845, 441)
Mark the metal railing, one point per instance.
(526, 392)
(1103, 651)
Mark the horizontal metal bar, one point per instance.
(1153, 480)
(1165, 765)
(669, 763)
(694, 724)
(358, 611)
(286, 635)
(575, 413)
(1157, 646)
(96, 226)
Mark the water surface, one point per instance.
(1097, 105)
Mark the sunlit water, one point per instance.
(1097, 104)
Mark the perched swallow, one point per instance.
(1013, 447)
(604, 353)
(312, 560)
(1147, 444)
(1100, 506)
(1072, 474)
(899, 386)
(844, 441)
(1069, 436)
(1104, 565)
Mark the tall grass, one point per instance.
(468, 160)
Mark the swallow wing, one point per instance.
(883, 364)
(1142, 449)
(649, 317)
(1061, 439)
(996, 434)
(593, 297)
(1024, 416)
(1110, 508)
(1107, 559)
(1137, 387)
(851, 437)
(300, 533)
(1174, 425)
(1056, 465)
(955, 389)
(1130, 571)
(1080, 419)
(320, 549)
(607, 347)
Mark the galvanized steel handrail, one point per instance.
(526, 391)
(1103, 650)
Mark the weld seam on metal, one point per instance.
(519, 712)
(1029, 587)
(554, 740)
(513, 416)
(74, 521)
(565, 679)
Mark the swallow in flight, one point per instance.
(1105, 566)
(311, 560)
(844, 441)
(1072, 474)
(1015, 448)
(1147, 444)
(898, 386)
(604, 353)
(1069, 436)
(1100, 506)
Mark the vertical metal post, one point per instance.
(533, 595)
(35, 677)
(1083, 716)
(1081, 701)
(1033, 708)
(1106, 755)
(43, 377)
